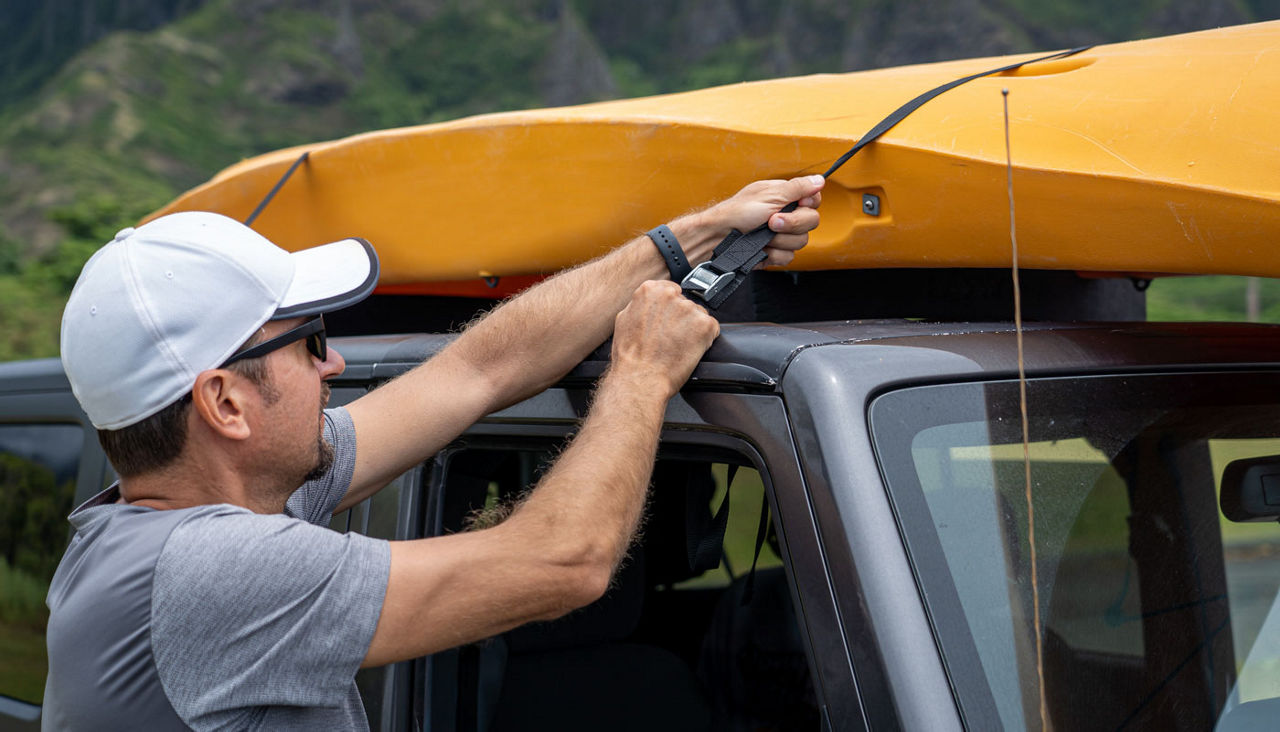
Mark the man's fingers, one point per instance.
(813, 201)
(656, 288)
(662, 333)
(803, 187)
(800, 221)
(777, 258)
(788, 242)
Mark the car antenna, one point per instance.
(1026, 431)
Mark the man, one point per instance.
(199, 591)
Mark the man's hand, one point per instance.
(760, 202)
(660, 336)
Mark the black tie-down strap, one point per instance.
(276, 188)
(734, 258)
(762, 531)
(705, 540)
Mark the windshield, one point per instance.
(1155, 610)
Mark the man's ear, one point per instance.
(220, 399)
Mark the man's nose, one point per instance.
(333, 364)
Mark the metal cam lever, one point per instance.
(706, 281)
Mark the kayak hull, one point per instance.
(1155, 156)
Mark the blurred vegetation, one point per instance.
(21, 598)
(1210, 298)
(34, 290)
(41, 35)
(109, 108)
(33, 531)
(37, 484)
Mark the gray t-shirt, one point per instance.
(215, 617)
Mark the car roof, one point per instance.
(754, 356)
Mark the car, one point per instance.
(890, 583)
(904, 494)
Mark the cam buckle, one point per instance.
(706, 281)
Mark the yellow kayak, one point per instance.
(1154, 156)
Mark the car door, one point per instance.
(739, 634)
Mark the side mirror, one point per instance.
(1251, 489)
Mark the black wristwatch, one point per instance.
(669, 247)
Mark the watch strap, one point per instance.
(671, 251)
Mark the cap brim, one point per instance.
(329, 277)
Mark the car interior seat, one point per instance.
(753, 663)
(607, 666)
(582, 672)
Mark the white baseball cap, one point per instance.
(178, 295)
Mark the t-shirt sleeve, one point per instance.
(315, 500)
(250, 610)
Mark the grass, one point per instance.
(23, 663)
(23, 617)
(22, 598)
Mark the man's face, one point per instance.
(292, 417)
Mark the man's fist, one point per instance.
(761, 202)
(661, 335)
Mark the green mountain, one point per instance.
(108, 108)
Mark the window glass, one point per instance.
(38, 465)
(384, 509)
(377, 516)
(1252, 555)
(1155, 610)
(683, 637)
(741, 530)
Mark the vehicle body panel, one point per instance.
(792, 401)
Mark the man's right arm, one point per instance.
(559, 549)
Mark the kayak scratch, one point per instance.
(1235, 91)
(1189, 229)
(1103, 148)
(1082, 100)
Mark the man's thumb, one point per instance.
(805, 185)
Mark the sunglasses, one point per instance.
(312, 331)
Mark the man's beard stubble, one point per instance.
(324, 450)
(324, 460)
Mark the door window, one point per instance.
(38, 465)
(684, 639)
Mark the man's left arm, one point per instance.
(531, 341)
